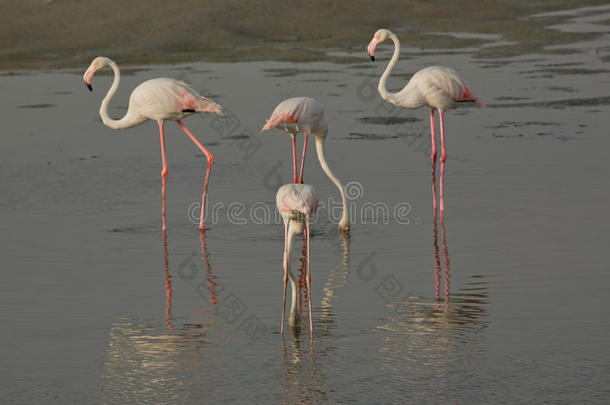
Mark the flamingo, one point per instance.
(306, 115)
(297, 203)
(157, 99)
(437, 87)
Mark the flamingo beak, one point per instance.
(88, 77)
(371, 48)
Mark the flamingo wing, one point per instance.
(299, 112)
(442, 86)
(165, 98)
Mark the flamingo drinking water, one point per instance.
(437, 87)
(297, 203)
(158, 99)
(306, 115)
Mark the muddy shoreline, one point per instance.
(55, 34)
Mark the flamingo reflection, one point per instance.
(168, 287)
(210, 289)
(304, 382)
(213, 287)
(437, 261)
(147, 363)
(337, 279)
(424, 332)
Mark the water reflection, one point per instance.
(337, 279)
(212, 285)
(437, 260)
(168, 286)
(432, 341)
(145, 362)
(433, 334)
(205, 255)
(438, 273)
(304, 379)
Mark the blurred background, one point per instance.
(68, 33)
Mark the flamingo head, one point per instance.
(380, 36)
(95, 65)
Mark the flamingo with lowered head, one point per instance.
(160, 100)
(437, 87)
(306, 115)
(297, 203)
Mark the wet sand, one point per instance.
(69, 33)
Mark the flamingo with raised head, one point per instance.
(297, 203)
(437, 87)
(306, 115)
(160, 100)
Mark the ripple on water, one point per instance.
(425, 330)
(145, 364)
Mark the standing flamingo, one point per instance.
(297, 203)
(437, 87)
(158, 99)
(306, 115)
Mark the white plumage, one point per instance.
(160, 100)
(297, 203)
(437, 87)
(306, 115)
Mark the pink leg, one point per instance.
(444, 152)
(433, 157)
(309, 284)
(163, 174)
(302, 272)
(432, 133)
(285, 275)
(294, 159)
(207, 175)
(443, 159)
(303, 159)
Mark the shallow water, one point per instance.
(98, 309)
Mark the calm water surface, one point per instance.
(504, 301)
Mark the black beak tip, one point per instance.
(89, 86)
(372, 57)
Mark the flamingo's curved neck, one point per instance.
(293, 315)
(129, 119)
(320, 149)
(383, 91)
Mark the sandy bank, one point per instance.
(41, 34)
